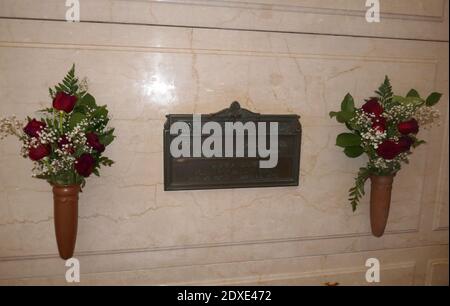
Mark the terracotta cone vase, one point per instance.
(380, 202)
(65, 205)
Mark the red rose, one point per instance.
(33, 127)
(373, 106)
(405, 143)
(39, 152)
(389, 149)
(408, 127)
(379, 124)
(84, 165)
(65, 145)
(64, 102)
(94, 142)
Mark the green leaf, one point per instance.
(433, 99)
(398, 99)
(348, 104)
(343, 117)
(106, 139)
(412, 100)
(88, 100)
(85, 103)
(46, 110)
(418, 143)
(105, 161)
(348, 140)
(413, 93)
(79, 151)
(110, 131)
(408, 100)
(354, 151)
(101, 112)
(347, 110)
(75, 118)
(333, 114)
(49, 122)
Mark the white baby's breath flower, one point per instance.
(427, 116)
(83, 85)
(11, 126)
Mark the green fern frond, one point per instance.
(385, 92)
(69, 84)
(357, 192)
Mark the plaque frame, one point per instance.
(289, 126)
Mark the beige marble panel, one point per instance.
(397, 267)
(437, 272)
(144, 85)
(442, 200)
(405, 7)
(127, 221)
(266, 83)
(424, 19)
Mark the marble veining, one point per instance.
(127, 221)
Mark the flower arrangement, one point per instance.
(66, 144)
(385, 128)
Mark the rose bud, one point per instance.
(39, 152)
(408, 127)
(379, 124)
(65, 145)
(64, 102)
(389, 149)
(373, 107)
(33, 127)
(94, 142)
(84, 165)
(405, 143)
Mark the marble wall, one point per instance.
(146, 59)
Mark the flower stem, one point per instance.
(61, 115)
(47, 163)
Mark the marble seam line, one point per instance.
(113, 48)
(386, 267)
(298, 8)
(229, 29)
(208, 245)
(251, 260)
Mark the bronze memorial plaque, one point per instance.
(233, 148)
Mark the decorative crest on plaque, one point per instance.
(236, 112)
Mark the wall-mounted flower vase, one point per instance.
(65, 209)
(380, 202)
